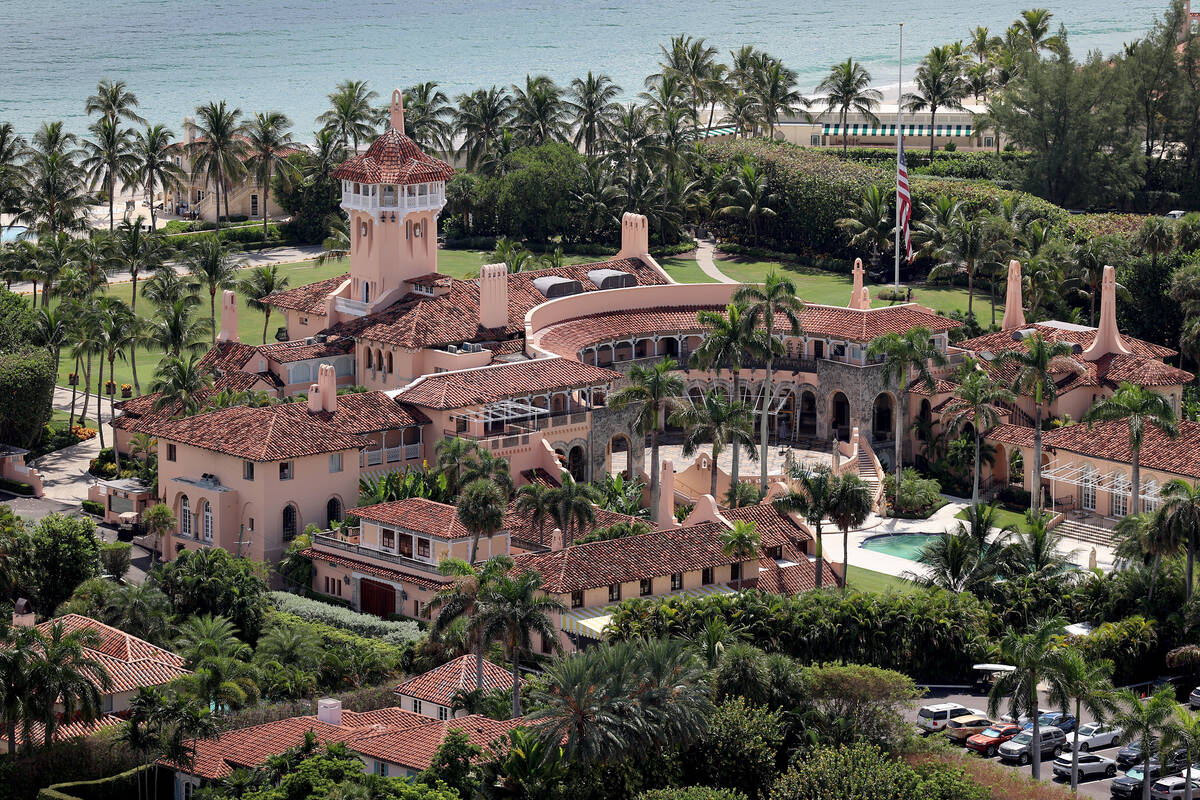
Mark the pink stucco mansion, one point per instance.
(522, 364)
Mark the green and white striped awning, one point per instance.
(706, 134)
(591, 622)
(890, 130)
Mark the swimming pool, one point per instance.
(11, 234)
(901, 545)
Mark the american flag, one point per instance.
(904, 200)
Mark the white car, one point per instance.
(1090, 766)
(1095, 736)
(931, 719)
(1172, 788)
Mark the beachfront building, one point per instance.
(960, 127)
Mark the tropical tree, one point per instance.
(1087, 685)
(774, 88)
(903, 354)
(939, 83)
(109, 160)
(512, 608)
(870, 223)
(113, 101)
(846, 87)
(592, 102)
(268, 143)
(742, 542)
(155, 166)
(479, 119)
(538, 111)
(810, 497)
(54, 200)
(214, 265)
(1146, 721)
(217, 149)
(1138, 407)
(1156, 236)
(1036, 552)
(427, 115)
(655, 392)
(350, 114)
(765, 303)
(19, 651)
(65, 681)
(967, 244)
(452, 455)
(749, 199)
(850, 504)
(261, 282)
(572, 506)
(1035, 365)
(977, 401)
(460, 600)
(1180, 512)
(719, 421)
(175, 329)
(181, 381)
(481, 510)
(139, 251)
(535, 502)
(1183, 732)
(1033, 26)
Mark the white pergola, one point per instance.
(1082, 474)
(502, 411)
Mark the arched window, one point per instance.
(378, 359)
(185, 516)
(369, 362)
(289, 523)
(389, 363)
(1150, 497)
(207, 516)
(333, 512)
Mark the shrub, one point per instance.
(867, 703)
(115, 558)
(739, 749)
(691, 793)
(16, 487)
(398, 634)
(17, 321)
(26, 390)
(393, 655)
(114, 787)
(918, 498)
(1014, 497)
(93, 508)
(863, 772)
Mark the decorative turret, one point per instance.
(1014, 312)
(857, 291)
(635, 236)
(229, 318)
(1108, 338)
(393, 194)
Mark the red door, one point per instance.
(377, 598)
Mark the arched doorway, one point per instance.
(882, 420)
(839, 416)
(785, 417)
(808, 414)
(576, 464)
(291, 522)
(333, 512)
(925, 421)
(620, 455)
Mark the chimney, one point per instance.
(556, 539)
(397, 112)
(635, 236)
(329, 711)
(856, 292)
(1014, 313)
(314, 399)
(1108, 338)
(23, 616)
(327, 386)
(229, 317)
(864, 296)
(493, 296)
(666, 496)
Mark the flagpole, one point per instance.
(899, 134)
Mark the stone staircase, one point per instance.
(1093, 534)
(866, 471)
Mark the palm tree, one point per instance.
(113, 101)
(175, 330)
(1180, 512)
(1183, 732)
(870, 223)
(268, 143)
(54, 329)
(19, 653)
(978, 401)
(481, 510)
(452, 455)
(967, 559)
(775, 93)
(155, 166)
(427, 116)
(63, 676)
(741, 542)
(217, 149)
(158, 520)
(140, 252)
(54, 199)
(1087, 685)
(765, 303)
(966, 245)
(1036, 364)
(750, 199)
(1156, 237)
(655, 391)
(182, 382)
(634, 141)
(482, 464)
(110, 160)
(910, 353)
(1036, 660)
(593, 105)
(939, 84)
(263, 281)
(849, 506)
(214, 266)
(810, 499)
(729, 339)
(1139, 407)
(480, 118)
(350, 114)
(460, 599)
(572, 506)
(848, 86)
(719, 421)
(121, 329)
(1147, 722)
(512, 608)
(1036, 552)
(536, 502)
(1033, 25)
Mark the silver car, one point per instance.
(1090, 766)
(1173, 788)
(1095, 736)
(1020, 750)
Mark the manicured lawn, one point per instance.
(1003, 518)
(830, 288)
(684, 269)
(466, 263)
(867, 580)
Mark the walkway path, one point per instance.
(704, 257)
(64, 472)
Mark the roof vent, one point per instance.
(321, 338)
(452, 349)
(552, 286)
(611, 278)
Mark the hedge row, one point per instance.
(115, 787)
(249, 237)
(398, 634)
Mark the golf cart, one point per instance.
(986, 675)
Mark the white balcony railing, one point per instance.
(412, 451)
(355, 308)
(374, 457)
(425, 197)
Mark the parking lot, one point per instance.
(1096, 787)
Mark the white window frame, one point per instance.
(185, 516)
(1087, 489)
(1120, 495)
(335, 462)
(207, 516)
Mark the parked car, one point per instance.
(931, 719)
(1173, 788)
(1194, 698)
(989, 741)
(1176, 761)
(959, 729)
(1129, 755)
(1095, 736)
(1129, 785)
(1020, 748)
(1090, 766)
(1064, 722)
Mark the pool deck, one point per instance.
(941, 521)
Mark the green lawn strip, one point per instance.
(684, 269)
(1003, 518)
(465, 264)
(867, 580)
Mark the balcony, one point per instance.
(422, 197)
(390, 455)
(334, 542)
(353, 308)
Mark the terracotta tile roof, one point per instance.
(851, 324)
(226, 356)
(239, 381)
(439, 685)
(539, 475)
(940, 386)
(302, 350)
(1019, 435)
(415, 748)
(1002, 340)
(773, 526)
(394, 158)
(310, 297)
(362, 412)
(67, 730)
(420, 579)
(431, 279)
(131, 662)
(418, 515)
(792, 578)
(1110, 441)
(417, 321)
(1141, 370)
(472, 387)
(264, 434)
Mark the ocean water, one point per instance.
(286, 56)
